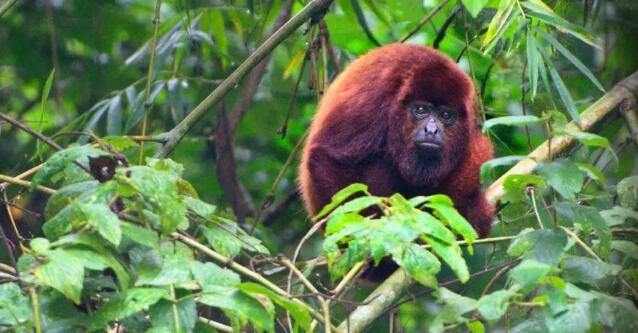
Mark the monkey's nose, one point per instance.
(431, 128)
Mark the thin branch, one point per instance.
(424, 20)
(314, 8)
(31, 132)
(149, 76)
(218, 326)
(445, 26)
(6, 6)
(27, 173)
(245, 271)
(24, 183)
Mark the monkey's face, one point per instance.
(432, 125)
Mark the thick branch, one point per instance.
(391, 289)
(314, 8)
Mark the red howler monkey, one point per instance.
(399, 119)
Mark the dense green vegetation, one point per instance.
(119, 213)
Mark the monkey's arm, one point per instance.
(322, 176)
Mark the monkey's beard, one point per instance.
(424, 169)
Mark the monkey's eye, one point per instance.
(446, 115)
(419, 110)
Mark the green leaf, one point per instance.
(338, 222)
(162, 314)
(590, 271)
(493, 306)
(39, 245)
(497, 162)
(43, 101)
(511, 121)
(499, 23)
(564, 176)
(456, 221)
(340, 197)
(15, 308)
(614, 313)
(532, 63)
(420, 264)
(618, 215)
(591, 139)
(540, 11)
(630, 249)
(452, 256)
(628, 192)
(127, 303)
(175, 266)
(140, 235)
(474, 7)
(219, 32)
(241, 304)
(299, 313)
(475, 326)
(212, 277)
(563, 92)
(581, 67)
(114, 116)
(455, 306)
(516, 186)
(102, 219)
(63, 273)
(357, 205)
(587, 217)
(159, 192)
(221, 240)
(199, 207)
(545, 246)
(574, 320)
(63, 196)
(61, 159)
(529, 274)
(593, 172)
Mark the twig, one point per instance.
(595, 256)
(325, 305)
(24, 183)
(6, 6)
(245, 271)
(37, 321)
(31, 132)
(424, 20)
(270, 197)
(215, 325)
(312, 9)
(149, 76)
(444, 27)
(22, 175)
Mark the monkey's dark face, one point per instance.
(431, 126)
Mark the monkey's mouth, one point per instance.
(427, 145)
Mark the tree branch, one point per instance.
(314, 8)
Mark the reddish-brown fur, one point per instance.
(362, 133)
